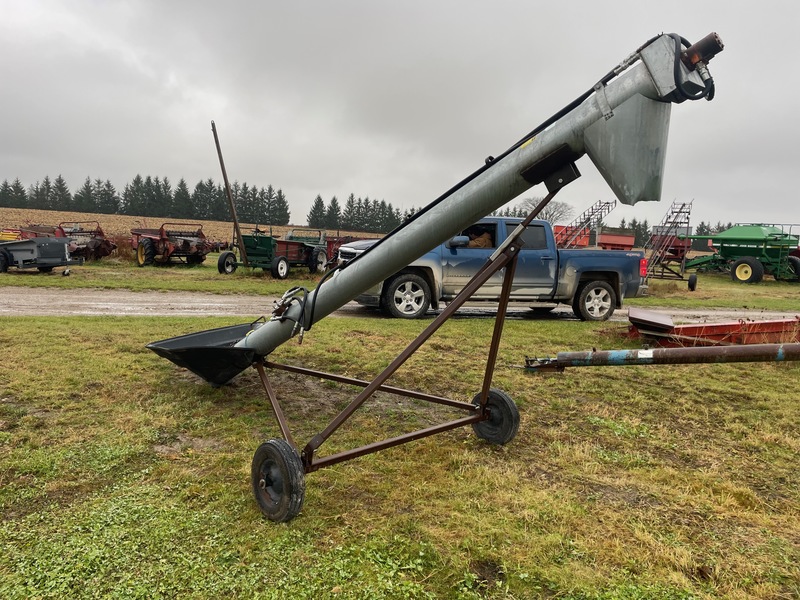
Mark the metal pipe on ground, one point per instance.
(666, 356)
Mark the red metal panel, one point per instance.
(659, 329)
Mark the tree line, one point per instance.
(151, 197)
(357, 214)
(373, 216)
(157, 197)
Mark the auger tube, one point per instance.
(622, 126)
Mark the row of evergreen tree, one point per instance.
(152, 197)
(156, 197)
(358, 214)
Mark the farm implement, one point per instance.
(300, 248)
(172, 241)
(41, 253)
(751, 250)
(91, 240)
(87, 239)
(621, 123)
(309, 248)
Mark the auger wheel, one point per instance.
(278, 479)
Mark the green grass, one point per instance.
(717, 291)
(122, 475)
(119, 273)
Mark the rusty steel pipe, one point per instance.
(667, 356)
(229, 196)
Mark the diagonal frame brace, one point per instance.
(505, 256)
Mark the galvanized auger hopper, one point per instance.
(621, 123)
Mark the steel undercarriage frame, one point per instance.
(478, 412)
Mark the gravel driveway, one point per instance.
(20, 301)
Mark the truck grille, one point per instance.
(347, 254)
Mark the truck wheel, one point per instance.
(318, 261)
(278, 480)
(747, 270)
(407, 296)
(280, 268)
(3, 262)
(226, 264)
(503, 422)
(145, 252)
(794, 263)
(595, 301)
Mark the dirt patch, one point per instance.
(22, 301)
(488, 572)
(181, 442)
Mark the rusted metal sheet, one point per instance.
(659, 329)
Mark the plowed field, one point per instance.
(119, 226)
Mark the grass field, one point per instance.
(122, 475)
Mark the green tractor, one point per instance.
(750, 251)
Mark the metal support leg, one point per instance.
(505, 255)
(276, 407)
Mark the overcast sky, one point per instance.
(392, 100)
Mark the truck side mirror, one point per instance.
(459, 241)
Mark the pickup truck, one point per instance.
(593, 282)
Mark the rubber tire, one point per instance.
(145, 252)
(318, 261)
(595, 301)
(4, 262)
(747, 270)
(407, 296)
(503, 423)
(278, 479)
(692, 282)
(280, 268)
(226, 263)
(195, 259)
(794, 263)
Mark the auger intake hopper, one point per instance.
(210, 354)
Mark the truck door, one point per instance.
(535, 276)
(459, 264)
